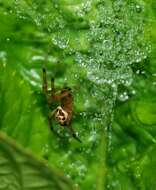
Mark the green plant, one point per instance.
(101, 50)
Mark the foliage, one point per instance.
(20, 170)
(98, 48)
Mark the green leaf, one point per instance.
(20, 170)
(98, 48)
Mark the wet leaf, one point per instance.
(20, 170)
(101, 50)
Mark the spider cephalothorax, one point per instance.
(63, 113)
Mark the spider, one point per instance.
(64, 112)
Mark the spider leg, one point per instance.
(76, 137)
(74, 134)
(54, 96)
(50, 124)
(52, 87)
(45, 84)
(50, 116)
(51, 127)
(45, 88)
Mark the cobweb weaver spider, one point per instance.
(63, 113)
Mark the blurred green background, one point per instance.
(105, 51)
